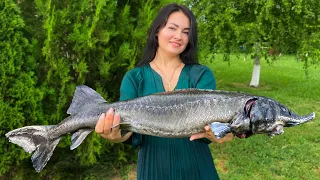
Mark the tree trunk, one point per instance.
(256, 72)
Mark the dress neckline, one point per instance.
(158, 78)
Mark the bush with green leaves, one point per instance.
(47, 49)
(20, 99)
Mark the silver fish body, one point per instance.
(174, 114)
(171, 114)
(180, 113)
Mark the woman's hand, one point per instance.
(104, 124)
(210, 135)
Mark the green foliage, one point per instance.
(20, 100)
(263, 26)
(310, 51)
(48, 49)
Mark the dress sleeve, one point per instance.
(129, 90)
(206, 81)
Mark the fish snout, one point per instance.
(289, 118)
(296, 119)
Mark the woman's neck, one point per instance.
(166, 61)
(169, 68)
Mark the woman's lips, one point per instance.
(175, 44)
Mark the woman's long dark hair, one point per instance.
(189, 55)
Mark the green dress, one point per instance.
(169, 158)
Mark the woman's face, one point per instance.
(173, 37)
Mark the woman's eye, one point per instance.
(186, 33)
(172, 28)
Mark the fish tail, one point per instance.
(35, 138)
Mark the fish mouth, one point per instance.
(244, 135)
(278, 130)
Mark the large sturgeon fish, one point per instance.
(171, 114)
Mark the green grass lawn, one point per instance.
(293, 155)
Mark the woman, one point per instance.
(169, 62)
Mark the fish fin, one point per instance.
(124, 132)
(43, 153)
(78, 137)
(84, 95)
(220, 129)
(123, 125)
(35, 138)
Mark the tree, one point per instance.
(263, 25)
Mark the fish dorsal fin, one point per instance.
(84, 95)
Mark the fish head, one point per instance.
(263, 117)
(269, 116)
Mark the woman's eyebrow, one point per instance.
(178, 26)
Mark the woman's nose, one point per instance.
(178, 35)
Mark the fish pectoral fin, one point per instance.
(78, 137)
(124, 126)
(220, 129)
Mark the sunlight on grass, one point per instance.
(293, 155)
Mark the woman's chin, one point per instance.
(174, 51)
